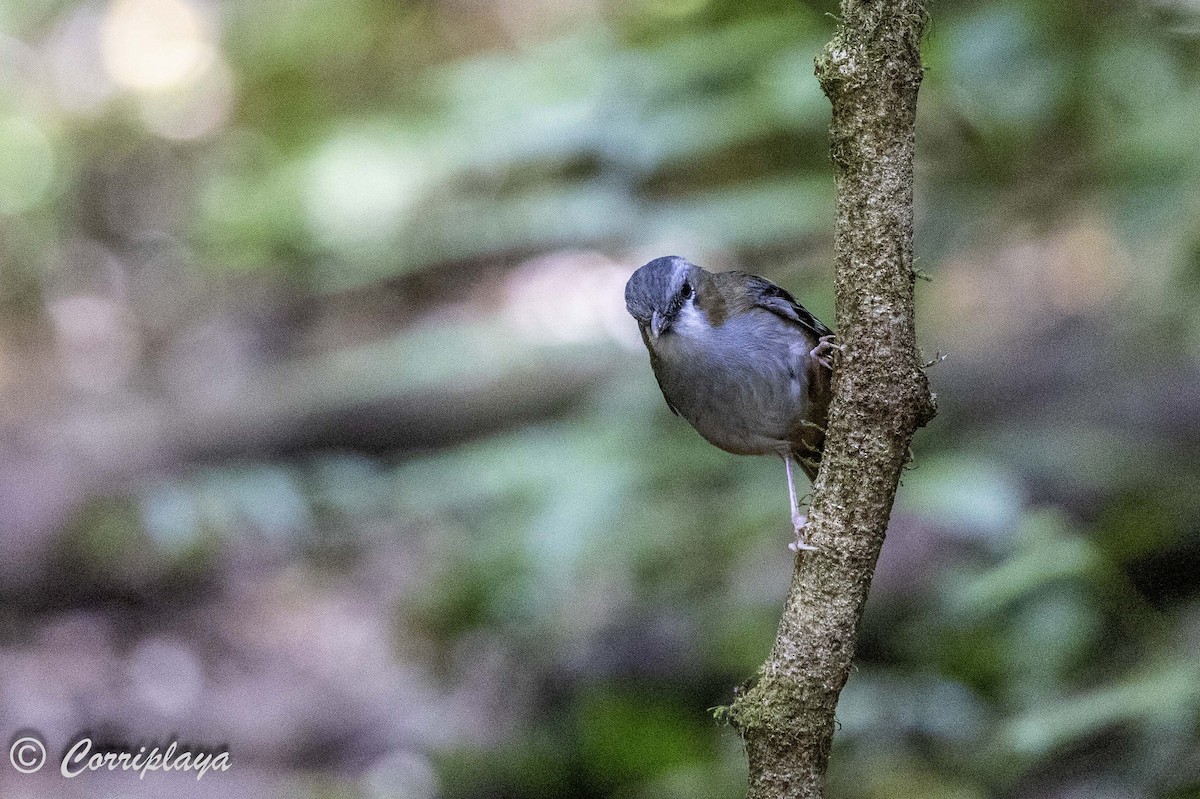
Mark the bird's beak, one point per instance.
(658, 323)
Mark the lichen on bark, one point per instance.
(870, 71)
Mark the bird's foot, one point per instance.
(820, 353)
(800, 545)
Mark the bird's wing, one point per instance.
(779, 301)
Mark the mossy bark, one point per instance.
(870, 72)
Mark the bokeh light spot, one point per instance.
(359, 187)
(151, 45)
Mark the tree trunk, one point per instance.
(870, 72)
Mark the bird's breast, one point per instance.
(742, 385)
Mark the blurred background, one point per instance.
(324, 435)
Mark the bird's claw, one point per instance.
(800, 545)
(820, 353)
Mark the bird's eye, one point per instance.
(685, 291)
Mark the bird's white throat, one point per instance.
(690, 321)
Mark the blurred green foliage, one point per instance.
(1033, 630)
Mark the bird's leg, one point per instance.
(798, 518)
(820, 353)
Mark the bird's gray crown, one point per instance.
(656, 287)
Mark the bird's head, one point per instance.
(657, 292)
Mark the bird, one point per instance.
(741, 360)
